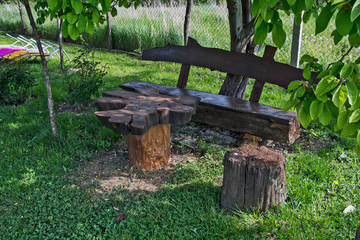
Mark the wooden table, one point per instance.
(145, 116)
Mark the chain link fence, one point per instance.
(160, 24)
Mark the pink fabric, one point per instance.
(6, 51)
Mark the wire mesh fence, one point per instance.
(158, 25)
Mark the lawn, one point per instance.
(75, 186)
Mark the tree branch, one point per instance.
(342, 57)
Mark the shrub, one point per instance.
(85, 77)
(15, 81)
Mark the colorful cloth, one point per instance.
(6, 51)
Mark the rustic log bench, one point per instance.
(145, 116)
(266, 122)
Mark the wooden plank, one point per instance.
(259, 84)
(235, 114)
(185, 68)
(129, 112)
(243, 64)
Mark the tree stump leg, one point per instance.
(254, 177)
(150, 151)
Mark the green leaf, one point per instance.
(278, 35)
(73, 31)
(353, 92)
(323, 74)
(64, 4)
(291, 2)
(90, 27)
(354, 40)
(325, 115)
(95, 16)
(307, 72)
(261, 33)
(326, 84)
(358, 137)
(52, 4)
(82, 22)
(294, 84)
(323, 19)
(306, 16)
(355, 116)
(342, 118)
(255, 7)
(340, 96)
(350, 129)
(322, 98)
(272, 3)
(337, 36)
(355, 12)
(268, 14)
(77, 6)
(299, 92)
(289, 104)
(72, 18)
(113, 12)
(336, 68)
(304, 117)
(346, 71)
(309, 3)
(343, 23)
(263, 7)
(64, 29)
(316, 108)
(306, 58)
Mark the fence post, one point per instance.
(296, 44)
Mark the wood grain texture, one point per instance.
(152, 150)
(235, 114)
(254, 177)
(243, 64)
(130, 112)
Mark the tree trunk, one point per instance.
(45, 69)
(189, 4)
(22, 18)
(239, 17)
(254, 177)
(110, 43)
(60, 23)
(152, 150)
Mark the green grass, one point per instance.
(41, 196)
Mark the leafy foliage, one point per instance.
(79, 16)
(336, 96)
(15, 81)
(86, 77)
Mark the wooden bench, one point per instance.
(266, 122)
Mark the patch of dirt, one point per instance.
(87, 107)
(112, 169)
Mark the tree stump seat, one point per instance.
(254, 177)
(145, 116)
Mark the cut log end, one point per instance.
(254, 177)
(150, 151)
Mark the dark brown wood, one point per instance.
(128, 112)
(259, 84)
(234, 114)
(185, 68)
(357, 236)
(152, 150)
(189, 4)
(254, 177)
(244, 64)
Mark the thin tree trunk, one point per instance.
(108, 17)
(45, 69)
(189, 4)
(60, 23)
(22, 18)
(239, 16)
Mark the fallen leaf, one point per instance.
(120, 217)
